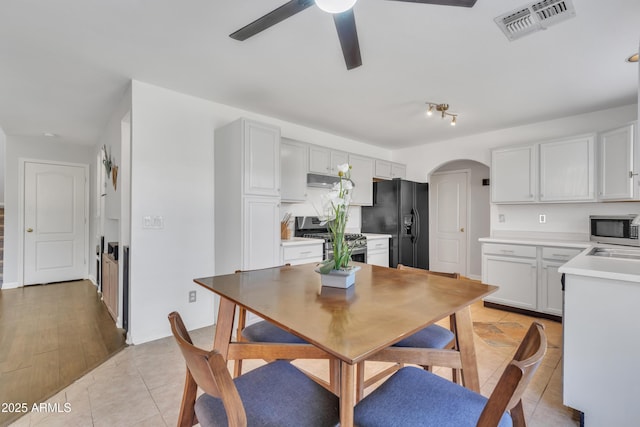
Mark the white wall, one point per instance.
(40, 148)
(561, 218)
(172, 176)
(3, 149)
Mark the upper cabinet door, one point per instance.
(362, 177)
(383, 169)
(293, 172)
(616, 168)
(398, 171)
(513, 175)
(325, 161)
(567, 170)
(261, 159)
(319, 160)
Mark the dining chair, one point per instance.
(432, 337)
(261, 331)
(275, 394)
(415, 397)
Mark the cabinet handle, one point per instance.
(504, 251)
(29, 230)
(305, 252)
(560, 255)
(631, 174)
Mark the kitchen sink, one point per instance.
(615, 253)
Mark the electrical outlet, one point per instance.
(192, 296)
(542, 218)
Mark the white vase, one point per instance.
(339, 278)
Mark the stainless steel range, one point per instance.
(311, 226)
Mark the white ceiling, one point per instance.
(64, 64)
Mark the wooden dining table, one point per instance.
(349, 326)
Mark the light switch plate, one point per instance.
(155, 222)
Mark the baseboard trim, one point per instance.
(11, 285)
(523, 311)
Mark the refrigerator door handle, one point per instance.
(416, 229)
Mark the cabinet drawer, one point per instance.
(560, 254)
(509, 250)
(299, 252)
(377, 244)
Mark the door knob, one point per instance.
(462, 230)
(29, 230)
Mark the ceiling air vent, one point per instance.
(534, 17)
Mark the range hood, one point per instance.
(321, 181)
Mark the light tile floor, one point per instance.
(142, 384)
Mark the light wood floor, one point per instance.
(50, 335)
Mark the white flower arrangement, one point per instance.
(336, 214)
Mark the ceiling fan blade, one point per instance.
(285, 11)
(461, 3)
(346, 26)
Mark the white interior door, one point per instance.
(54, 223)
(448, 251)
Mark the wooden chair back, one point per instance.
(507, 394)
(435, 273)
(209, 371)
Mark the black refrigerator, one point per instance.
(401, 209)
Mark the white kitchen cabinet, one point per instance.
(302, 253)
(550, 293)
(324, 160)
(294, 158)
(261, 158)
(616, 168)
(551, 288)
(246, 184)
(600, 329)
(567, 170)
(362, 178)
(261, 233)
(526, 274)
(514, 270)
(378, 251)
(513, 174)
(398, 171)
(385, 169)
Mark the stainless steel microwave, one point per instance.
(615, 229)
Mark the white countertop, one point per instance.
(545, 241)
(299, 241)
(374, 236)
(603, 267)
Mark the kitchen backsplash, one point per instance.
(313, 207)
(571, 219)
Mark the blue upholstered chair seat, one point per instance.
(272, 393)
(415, 397)
(433, 336)
(264, 331)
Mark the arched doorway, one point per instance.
(459, 208)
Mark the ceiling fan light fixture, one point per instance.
(453, 121)
(335, 6)
(633, 58)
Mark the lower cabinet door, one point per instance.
(551, 288)
(380, 258)
(517, 279)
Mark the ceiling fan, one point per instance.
(342, 16)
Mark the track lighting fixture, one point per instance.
(443, 109)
